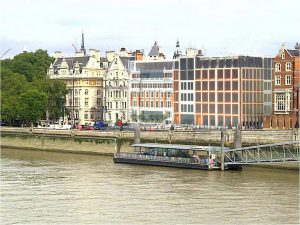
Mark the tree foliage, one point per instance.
(26, 90)
(32, 104)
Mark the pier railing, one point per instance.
(161, 158)
(265, 154)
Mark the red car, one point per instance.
(84, 127)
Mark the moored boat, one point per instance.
(171, 155)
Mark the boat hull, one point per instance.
(160, 163)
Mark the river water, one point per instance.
(58, 188)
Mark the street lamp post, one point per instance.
(104, 98)
(73, 98)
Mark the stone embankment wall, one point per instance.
(61, 141)
(200, 137)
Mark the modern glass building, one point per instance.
(222, 91)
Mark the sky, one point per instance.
(218, 27)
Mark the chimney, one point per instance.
(95, 53)
(57, 54)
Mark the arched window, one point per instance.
(277, 67)
(288, 66)
(86, 91)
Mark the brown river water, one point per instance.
(59, 188)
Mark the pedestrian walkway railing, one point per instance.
(264, 154)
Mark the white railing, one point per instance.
(161, 158)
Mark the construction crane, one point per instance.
(74, 47)
(4, 53)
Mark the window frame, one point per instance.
(277, 67)
(286, 79)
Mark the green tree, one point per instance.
(56, 92)
(23, 74)
(32, 105)
(12, 85)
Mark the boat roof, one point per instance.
(171, 146)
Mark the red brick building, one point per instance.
(285, 91)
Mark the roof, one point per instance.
(171, 146)
(154, 50)
(82, 61)
(124, 60)
(293, 52)
(103, 59)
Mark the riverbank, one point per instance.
(106, 143)
(198, 137)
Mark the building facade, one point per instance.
(151, 88)
(285, 80)
(222, 91)
(116, 96)
(83, 76)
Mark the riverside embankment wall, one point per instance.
(107, 142)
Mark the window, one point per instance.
(280, 102)
(288, 66)
(86, 91)
(98, 92)
(288, 80)
(282, 56)
(86, 102)
(277, 80)
(169, 104)
(277, 67)
(98, 101)
(151, 104)
(161, 104)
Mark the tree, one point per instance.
(12, 85)
(56, 92)
(32, 105)
(26, 74)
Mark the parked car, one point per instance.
(87, 127)
(100, 125)
(84, 127)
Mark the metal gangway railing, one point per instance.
(161, 158)
(264, 154)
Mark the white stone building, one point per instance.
(115, 83)
(83, 75)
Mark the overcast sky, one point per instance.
(219, 27)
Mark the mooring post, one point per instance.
(238, 138)
(222, 149)
(137, 136)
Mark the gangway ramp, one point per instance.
(264, 154)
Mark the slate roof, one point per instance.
(124, 60)
(82, 61)
(154, 50)
(103, 59)
(293, 52)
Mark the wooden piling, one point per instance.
(222, 150)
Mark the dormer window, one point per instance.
(288, 66)
(277, 67)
